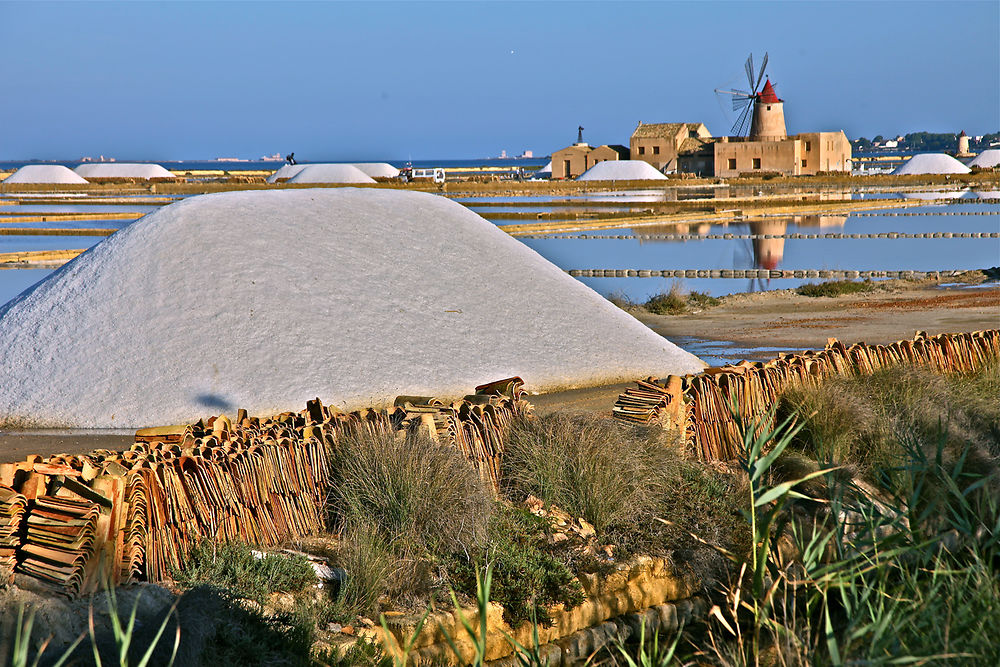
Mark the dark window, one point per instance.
(808, 145)
(756, 163)
(803, 163)
(732, 163)
(656, 150)
(642, 150)
(768, 107)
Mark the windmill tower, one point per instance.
(768, 122)
(758, 105)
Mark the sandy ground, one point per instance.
(785, 319)
(767, 319)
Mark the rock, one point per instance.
(347, 630)
(334, 627)
(586, 530)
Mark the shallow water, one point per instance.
(721, 353)
(77, 208)
(15, 281)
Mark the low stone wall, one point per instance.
(649, 586)
(712, 407)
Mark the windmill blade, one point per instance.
(748, 66)
(740, 102)
(741, 122)
(744, 93)
(760, 76)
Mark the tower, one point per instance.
(963, 145)
(768, 121)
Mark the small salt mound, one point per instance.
(622, 170)
(544, 172)
(99, 170)
(286, 172)
(377, 169)
(936, 194)
(988, 159)
(331, 173)
(204, 306)
(44, 173)
(932, 163)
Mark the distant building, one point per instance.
(606, 152)
(526, 154)
(963, 146)
(661, 144)
(769, 150)
(572, 161)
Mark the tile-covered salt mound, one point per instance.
(263, 300)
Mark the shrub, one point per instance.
(592, 467)
(667, 303)
(417, 494)
(402, 502)
(621, 299)
(234, 567)
(703, 300)
(865, 421)
(527, 576)
(835, 288)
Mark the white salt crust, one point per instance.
(266, 299)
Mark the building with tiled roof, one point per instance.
(660, 144)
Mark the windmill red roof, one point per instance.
(766, 95)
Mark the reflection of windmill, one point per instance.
(762, 253)
(745, 101)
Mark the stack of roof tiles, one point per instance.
(714, 407)
(80, 522)
(12, 506)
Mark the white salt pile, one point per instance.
(931, 163)
(935, 194)
(44, 173)
(988, 159)
(266, 299)
(331, 173)
(544, 172)
(286, 172)
(98, 170)
(622, 170)
(377, 169)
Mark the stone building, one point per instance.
(768, 149)
(661, 144)
(573, 160)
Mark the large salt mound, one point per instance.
(100, 170)
(622, 170)
(931, 163)
(286, 172)
(377, 169)
(987, 159)
(44, 173)
(331, 173)
(266, 299)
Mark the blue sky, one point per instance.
(431, 80)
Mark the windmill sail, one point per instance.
(743, 101)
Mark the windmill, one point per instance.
(745, 100)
